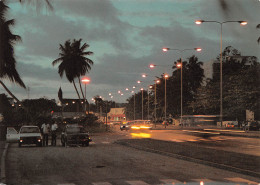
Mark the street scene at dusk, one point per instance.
(129, 92)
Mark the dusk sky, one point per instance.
(125, 36)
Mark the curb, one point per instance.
(2, 167)
(191, 159)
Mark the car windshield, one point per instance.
(75, 129)
(30, 130)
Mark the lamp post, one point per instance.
(165, 101)
(142, 103)
(242, 23)
(85, 80)
(134, 104)
(155, 100)
(179, 65)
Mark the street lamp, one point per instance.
(242, 23)
(134, 104)
(165, 77)
(179, 65)
(142, 103)
(85, 80)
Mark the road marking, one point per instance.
(170, 181)
(202, 180)
(241, 180)
(101, 183)
(192, 140)
(136, 182)
(177, 140)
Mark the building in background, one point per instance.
(116, 114)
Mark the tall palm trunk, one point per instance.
(78, 95)
(81, 88)
(9, 92)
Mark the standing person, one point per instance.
(45, 130)
(54, 128)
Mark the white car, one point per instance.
(30, 135)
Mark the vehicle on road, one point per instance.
(251, 125)
(75, 135)
(125, 126)
(141, 124)
(165, 123)
(230, 124)
(12, 135)
(30, 135)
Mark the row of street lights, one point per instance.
(179, 65)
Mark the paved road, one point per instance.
(236, 144)
(105, 163)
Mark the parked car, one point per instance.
(30, 135)
(75, 135)
(251, 125)
(12, 135)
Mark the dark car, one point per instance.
(75, 135)
(126, 126)
(251, 125)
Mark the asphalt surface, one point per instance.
(127, 158)
(105, 162)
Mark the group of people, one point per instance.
(49, 130)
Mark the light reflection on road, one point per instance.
(140, 135)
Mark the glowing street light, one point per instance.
(179, 65)
(242, 23)
(85, 80)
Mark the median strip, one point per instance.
(236, 162)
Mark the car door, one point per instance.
(12, 135)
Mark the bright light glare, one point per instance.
(122, 94)
(152, 66)
(142, 89)
(119, 92)
(150, 86)
(198, 49)
(126, 89)
(138, 81)
(243, 23)
(178, 65)
(144, 75)
(198, 22)
(165, 49)
(109, 94)
(142, 135)
(166, 76)
(157, 81)
(133, 87)
(85, 80)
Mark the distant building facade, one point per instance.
(116, 114)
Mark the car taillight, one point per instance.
(21, 140)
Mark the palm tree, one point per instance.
(73, 62)
(7, 41)
(7, 60)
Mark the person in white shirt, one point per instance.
(45, 130)
(54, 128)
